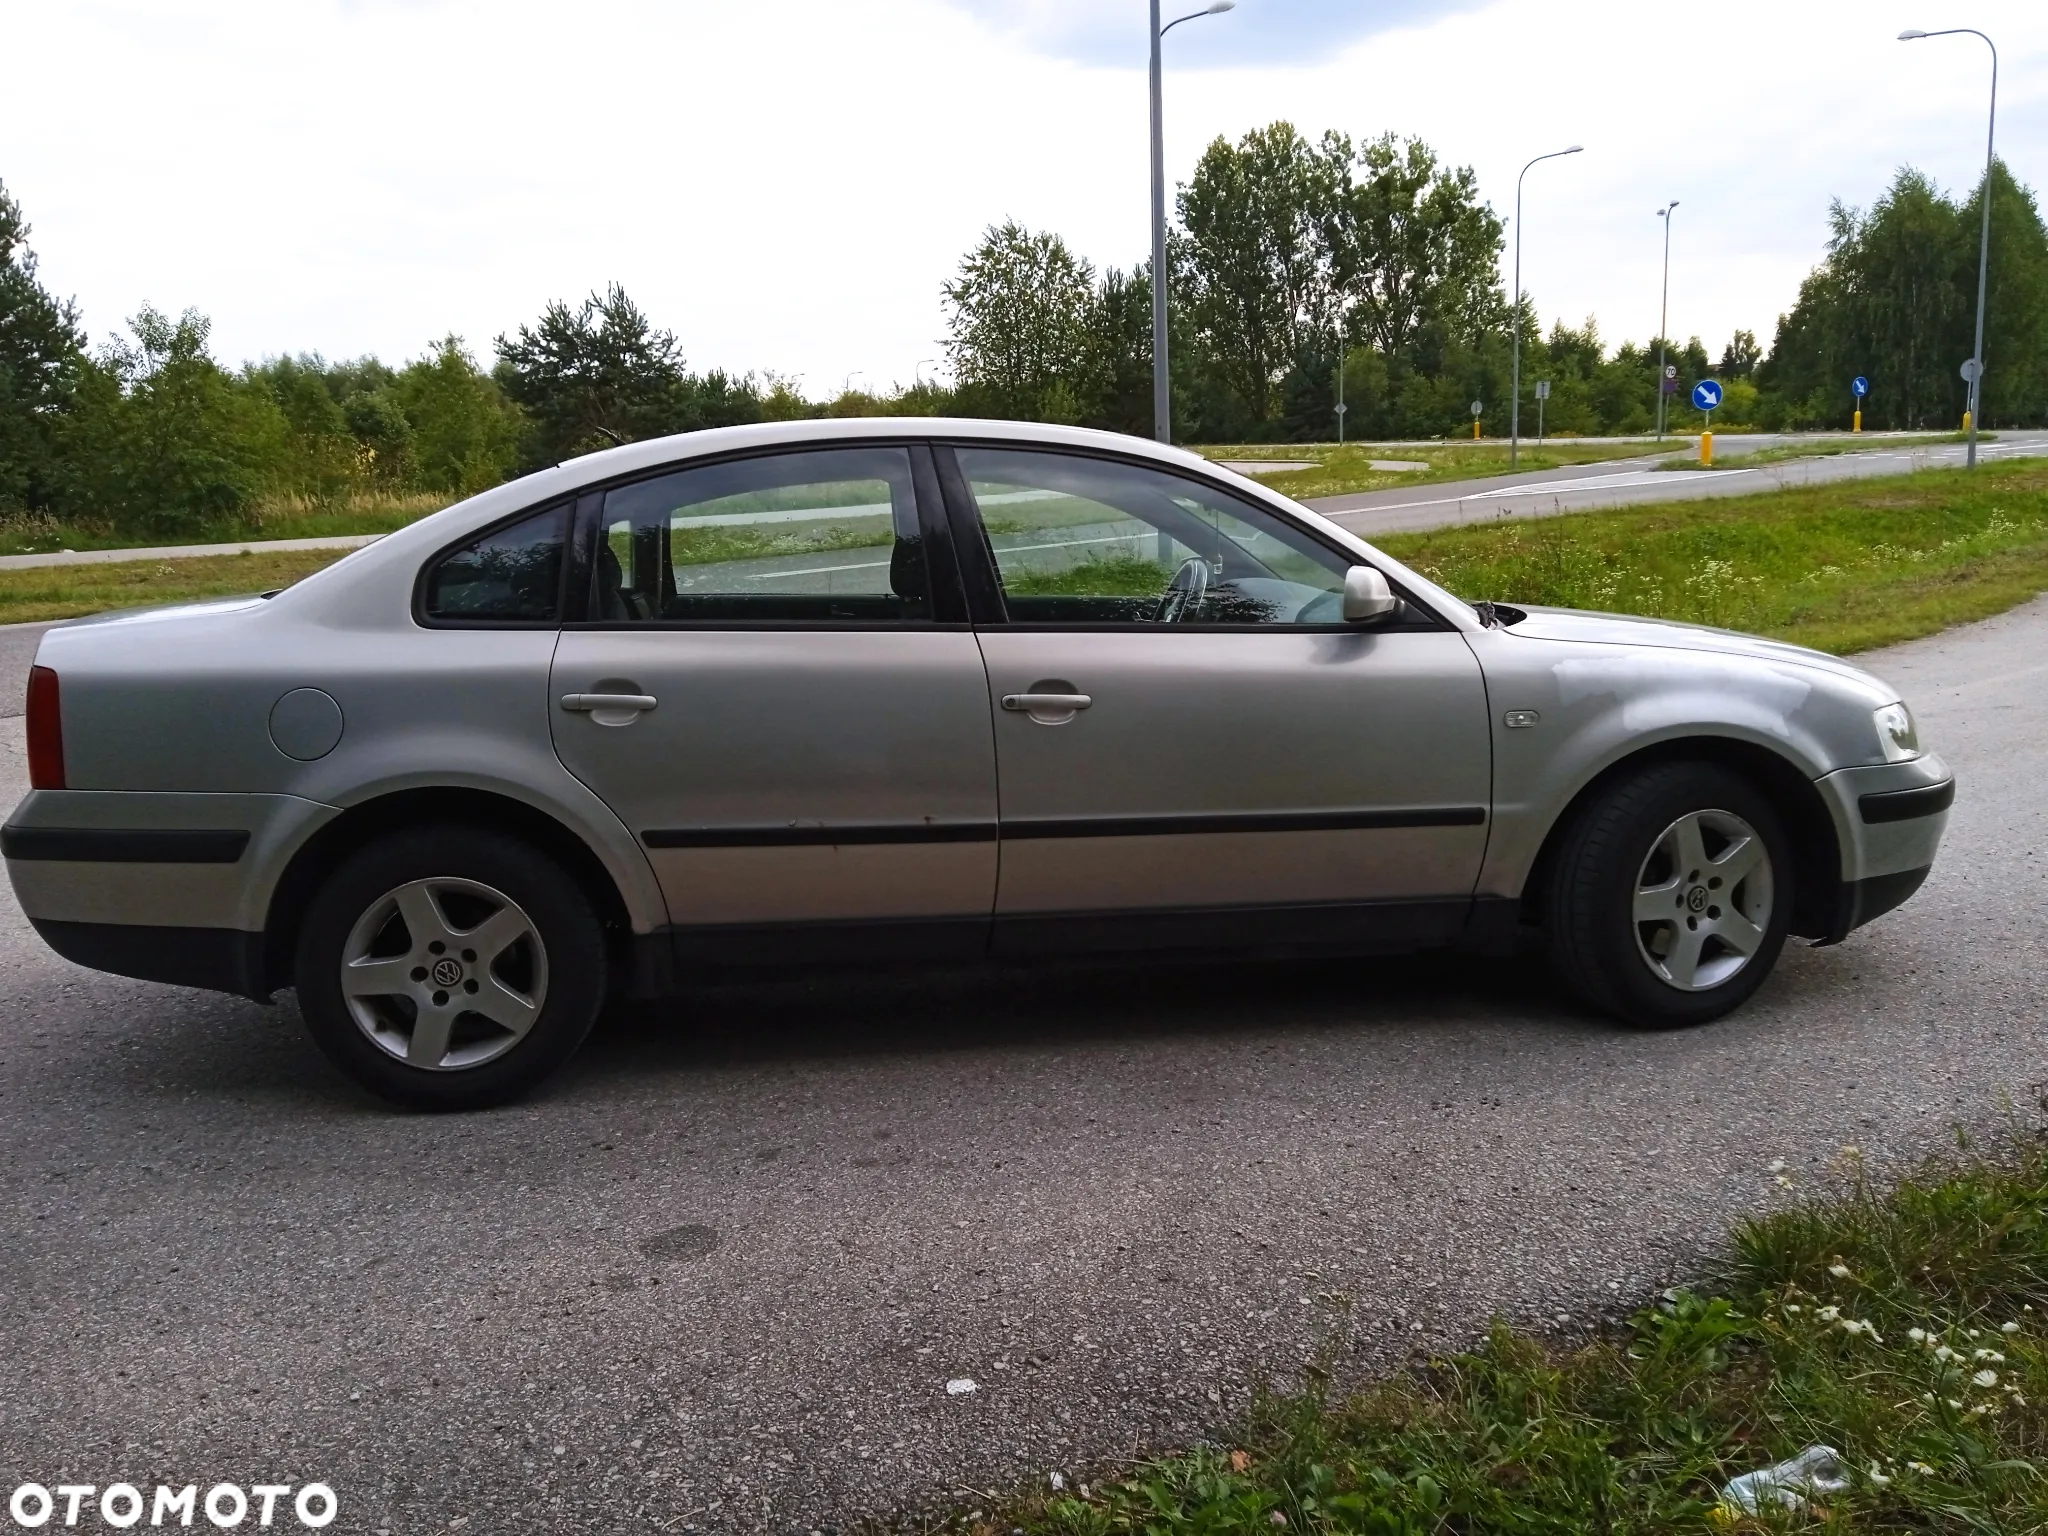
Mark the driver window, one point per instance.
(1095, 541)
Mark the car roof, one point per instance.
(658, 452)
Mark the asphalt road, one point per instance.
(1631, 482)
(719, 1275)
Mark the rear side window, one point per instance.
(512, 573)
(819, 536)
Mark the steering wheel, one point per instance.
(1186, 593)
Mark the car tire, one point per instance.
(450, 968)
(1670, 895)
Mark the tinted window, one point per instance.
(1094, 541)
(823, 536)
(513, 573)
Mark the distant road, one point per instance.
(1632, 482)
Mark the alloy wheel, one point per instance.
(1703, 900)
(444, 974)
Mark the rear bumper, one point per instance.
(217, 959)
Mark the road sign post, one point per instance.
(1859, 387)
(1972, 372)
(1705, 396)
(1542, 394)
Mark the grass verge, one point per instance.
(287, 517)
(66, 591)
(1826, 448)
(1841, 567)
(1346, 468)
(1906, 1329)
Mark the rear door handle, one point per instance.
(587, 703)
(1028, 703)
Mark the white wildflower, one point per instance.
(1988, 1354)
(1973, 1333)
(1828, 1314)
(1794, 1307)
(2009, 1328)
(1917, 1335)
(1943, 1352)
(1877, 1477)
(1921, 1467)
(1985, 1379)
(1839, 1271)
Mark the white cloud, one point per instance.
(787, 184)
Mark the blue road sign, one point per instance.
(1706, 394)
(1860, 385)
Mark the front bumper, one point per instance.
(1889, 820)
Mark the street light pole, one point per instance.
(1515, 408)
(1162, 391)
(1976, 397)
(1664, 314)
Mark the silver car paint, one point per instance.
(178, 700)
(1187, 723)
(784, 729)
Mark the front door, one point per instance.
(1185, 726)
(765, 694)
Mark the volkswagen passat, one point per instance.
(856, 691)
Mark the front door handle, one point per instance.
(590, 703)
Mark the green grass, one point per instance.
(1346, 468)
(1825, 449)
(66, 591)
(285, 517)
(1859, 1320)
(1841, 567)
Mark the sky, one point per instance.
(786, 183)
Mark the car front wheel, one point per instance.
(449, 968)
(1670, 895)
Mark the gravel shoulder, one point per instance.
(719, 1276)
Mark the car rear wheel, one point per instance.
(1670, 896)
(450, 968)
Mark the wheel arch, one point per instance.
(1809, 826)
(386, 814)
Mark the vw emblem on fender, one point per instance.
(1697, 901)
(447, 972)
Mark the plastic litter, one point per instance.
(1788, 1485)
(959, 1386)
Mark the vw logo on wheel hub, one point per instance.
(447, 972)
(1697, 900)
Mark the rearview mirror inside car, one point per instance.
(1367, 596)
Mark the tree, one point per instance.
(1253, 255)
(1895, 301)
(603, 374)
(41, 352)
(463, 435)
(161, 438)
(1740, 357)
(1412, 243)
(1018, 322)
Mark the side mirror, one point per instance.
(1367, 596)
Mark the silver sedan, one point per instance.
(851, 692)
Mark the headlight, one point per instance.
(1897, 734)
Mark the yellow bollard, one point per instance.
(1966, 423)
(1475, 429)
(1707, 449)
(1858, 427)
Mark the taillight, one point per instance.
(45, 731)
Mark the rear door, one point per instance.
(777, 691)
(1185, 726)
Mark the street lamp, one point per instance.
(1976, 407)
(1515, 409)
(1664, 315)
(1162, 394)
